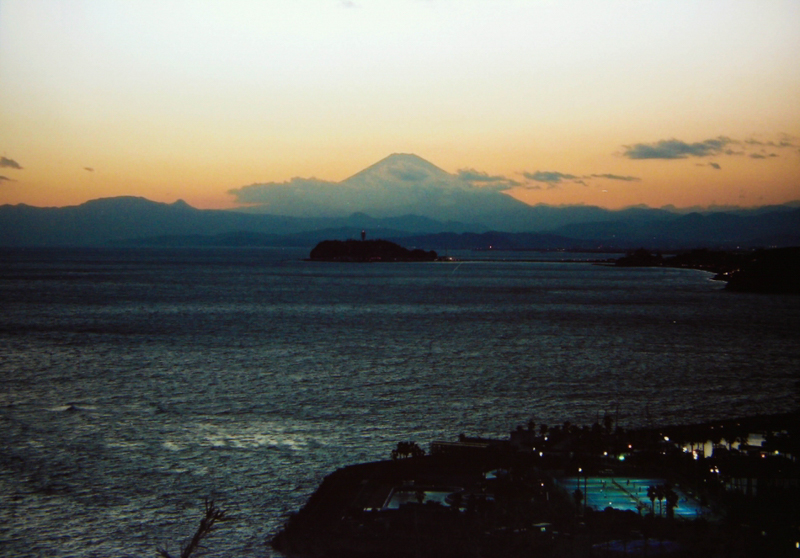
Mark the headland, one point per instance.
(774, 271)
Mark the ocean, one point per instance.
(137, 383)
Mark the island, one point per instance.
(721, 488)
(368, 251)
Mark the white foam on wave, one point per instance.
(72, 407)
(200, 471)
(250, 436)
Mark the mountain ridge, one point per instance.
(401, 195)
(131, 220)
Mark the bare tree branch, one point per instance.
(212, 515)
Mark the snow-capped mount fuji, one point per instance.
(400, 184)
(402, 168)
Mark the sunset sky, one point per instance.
(609, 103)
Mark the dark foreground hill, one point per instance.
(775, 271)
(508, 498)
(770, 271)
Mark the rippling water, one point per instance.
(136, 383)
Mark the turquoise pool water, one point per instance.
(623, 493)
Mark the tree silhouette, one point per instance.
(651, 495)
(543, 428)
(578, 497)
(672, 501)
(407, 449)
(608, 423)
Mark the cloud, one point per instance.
(676, 149)
(6, 179)
(482, 179)
(757, 156)
(407, 174)
(9, 163)
(615, 177)
(90, 169)
(554, 178)
(714, 165)
(550, 177)
(271, 192)
(786, 141)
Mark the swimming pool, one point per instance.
(626, 493)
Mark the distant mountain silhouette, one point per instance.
(400, 184)
(398, 197)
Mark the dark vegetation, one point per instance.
(508, 501)
(774, 271)
(368, 251)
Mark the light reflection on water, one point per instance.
(138, 383)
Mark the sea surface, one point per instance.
(137, 383)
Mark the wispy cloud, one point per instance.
(616, 177)
(676, 149)
(408, 174)
(714, 165)
(549, 177)
(554, 178)
(6, 179)
(785, 141)
(90, 169)
(483, 179)
(9, 163)
(722, 145)
(270, 192)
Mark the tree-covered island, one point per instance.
(368, 251)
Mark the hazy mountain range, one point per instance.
(403, 198)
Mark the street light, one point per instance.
(585, 488)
